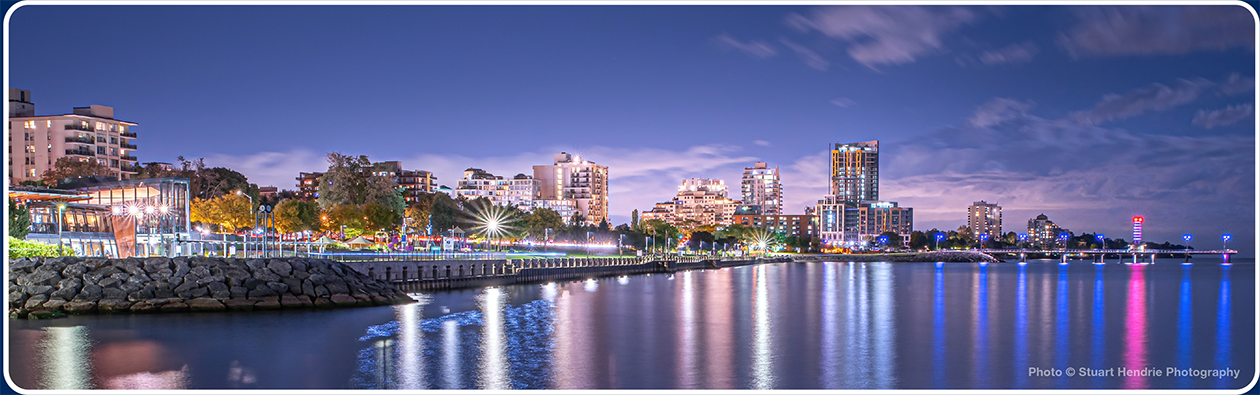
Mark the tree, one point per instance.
(347, 215)
(293, 215)
(578, 220)
(417, 214)
(356, 181)
(379, 217)
(541, 219)
(918, 240)
(894, 240)
(634, 219)
(19, 220)
(68, 167)
(445, 213)
(697, 237)
(229, 212)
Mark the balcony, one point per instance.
(128, 134)
(80, 152)
(127, 146)
(75, 126)
(125, 168)
(127, 157)
(81, 140)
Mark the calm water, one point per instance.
(792, 325)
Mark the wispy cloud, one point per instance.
(1236, 84)
(880, 35)
(1223, 117)
(843, 102)
(999, 110)
(760, 49)
(1158, 30)
(1013, 54)
(762, 143)
(1152, 98)
(811, 58)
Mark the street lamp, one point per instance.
(251, 213)
(882, 241)
(983, 238)
(1225, 241)
(1187, 238)
(1102, 243)
(1022, 238)
(938, 238)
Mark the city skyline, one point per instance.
(1029, 106)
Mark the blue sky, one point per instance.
(1088, 114)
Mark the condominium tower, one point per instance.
(87, 134)
(701, 200)
(985, 219)
(855, 171)
(570, 177)
(761, 187)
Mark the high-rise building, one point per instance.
(701, 200)
(801, 226)
(517, 191)
(86, 134)
(851, 224)
(855, 171)
(1042, 232)
(760, 186)
(985, 218)
(570, 177)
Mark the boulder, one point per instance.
(238, 292)
(294, 285)
(174, 307)
(267, 303)
(74, 270)
(35, 301)
(40, 276)
(109, 282)
(153, 265)
(280, 288)
(91, 292)
(113, 305)
(210, 280)
(343, 300)
(144, 307)
(53, 303)
(292, 302)
(38, 289)
(279, 267)
(239, 304)
(308, 289)
(200, 271)
(79, 307)
(255, 264)
(205, 304)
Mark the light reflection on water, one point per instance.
(863, 325)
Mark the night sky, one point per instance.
(1090, 115)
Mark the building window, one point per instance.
(100, 150)
(113, 140)
(113, 152)
(31, 173)
(49, 147)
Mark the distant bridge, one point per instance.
(1099, 255)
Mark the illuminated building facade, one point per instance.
(570, 177)
(701, 200)
(87, 134)
(801, 226)
(1042, 232)
(985, 219)
(517, 191)
(850, 224)
(760, 187)
(855, 171)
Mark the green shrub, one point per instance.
(23, 249)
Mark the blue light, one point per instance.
(1226, 236)
(1099, 236)
(940, 236)
(1185, 237)
(1023, 236)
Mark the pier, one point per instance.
(1099, 255)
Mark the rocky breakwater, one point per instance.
(51, 287)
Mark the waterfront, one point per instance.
(787, 325)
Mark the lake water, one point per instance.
(789, 325)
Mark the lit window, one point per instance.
(31, 172)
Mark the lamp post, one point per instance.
(938, 238)
(883, 240)
(1225, 241)
(983, 238)
(1102, 241)
(1187, 238)
(251, 213)
(61, 209)
(588, 244)
(1022, 237)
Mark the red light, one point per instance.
(1138, 220)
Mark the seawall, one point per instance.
(50, 287)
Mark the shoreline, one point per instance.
(934, 256)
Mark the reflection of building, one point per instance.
(760, 186)
(985, 218)
(852, 224)
(792, 225)
(701, 200)
(855, 171)
(106, 217)
(570, 177)
(87, 134)
(518, 191)
(1042, 232)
